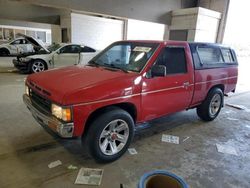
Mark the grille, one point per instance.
(40, 102)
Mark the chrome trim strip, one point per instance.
(128, 96)
(160, 90)
(149, 92)
(106, 100)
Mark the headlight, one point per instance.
(25, 59)
(27, 92)
(61, 112)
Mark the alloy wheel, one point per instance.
(215, 104)
(38, 66)
(114, 137)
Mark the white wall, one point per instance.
(238, 27)
(141, 30)
(94, 31)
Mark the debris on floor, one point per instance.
(54, 164)
(185, 139)
(170, 139)
(248, 126)
(228, 112)
(222, 148)
(239, 107)
(89, 176)
(72, 167)
(232, 119)
(132, 151)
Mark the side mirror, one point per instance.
(58, 52)
(158, 70)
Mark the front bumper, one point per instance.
(63, 129)
(22, 66)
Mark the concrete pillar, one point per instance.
(56, 35)
(195, 24)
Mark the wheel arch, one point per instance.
(128, 107)
(5, 48)
(46, 64)
(220, 86)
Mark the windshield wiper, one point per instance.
(93, 63)
(116, 67)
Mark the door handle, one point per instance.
(186, 84)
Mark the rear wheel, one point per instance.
(4, 52)
(110, 135)
(210, 108)
(37, 66)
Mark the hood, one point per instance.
(34, 42)
(79, 84)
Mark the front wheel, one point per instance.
(109, 135)
(37, 66)
(211, 106)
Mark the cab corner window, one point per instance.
(174, 59)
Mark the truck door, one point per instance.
(173, 92)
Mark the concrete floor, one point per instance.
(26, 148)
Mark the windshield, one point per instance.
(127, 56)
(53, 47)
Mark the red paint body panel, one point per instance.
(207, 78)
(87, 88)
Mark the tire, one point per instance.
(37, 66)
(109, 135)
(211, 106)
(4, 52)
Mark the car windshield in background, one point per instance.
(53, 47)
(127, 56)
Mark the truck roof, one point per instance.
(177, 42)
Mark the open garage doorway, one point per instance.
(237, 36)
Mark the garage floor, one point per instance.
(26, 149)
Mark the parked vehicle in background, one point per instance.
(57, 55)
(15, 47)
(127, 84)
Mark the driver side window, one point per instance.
(70, 49)
(16, 42)
(173, 58)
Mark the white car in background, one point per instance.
(56, 55)
(16, 46)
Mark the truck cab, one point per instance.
(128, 83)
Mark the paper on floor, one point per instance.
(170, 139)
(54, 164)
(132, 151)
(72, 167)
(248, 126)
(89, 176)
(239, 107)
(185, 139)
(222, 148)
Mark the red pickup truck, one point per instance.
(128, 83)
